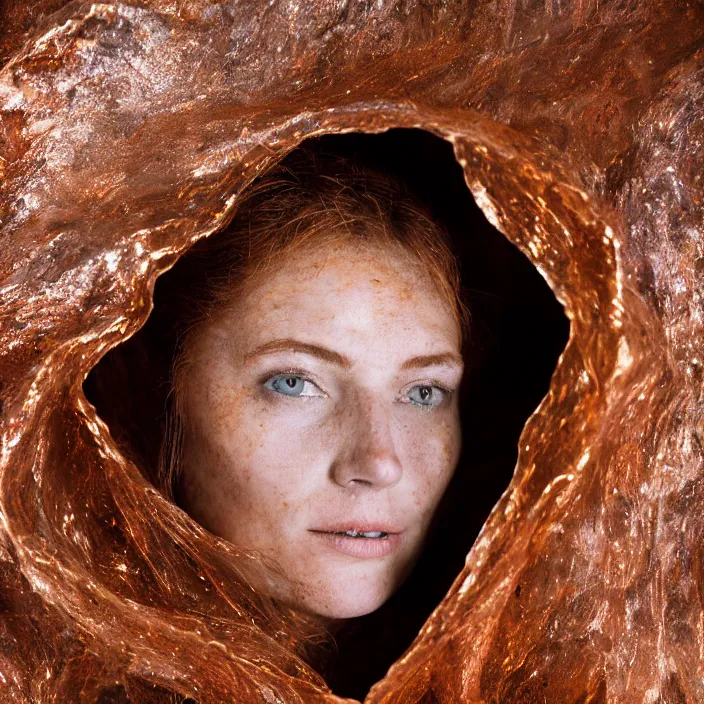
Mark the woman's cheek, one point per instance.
(279, 441)
(431, 443)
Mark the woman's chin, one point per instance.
(345, 609)
(339, 591)
(341, 602)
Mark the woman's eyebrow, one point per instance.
(433, 360)
(291, 345)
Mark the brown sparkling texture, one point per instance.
(127, 132)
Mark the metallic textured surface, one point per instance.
(127, 132)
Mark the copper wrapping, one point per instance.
(127, 132)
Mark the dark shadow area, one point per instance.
(518, 333)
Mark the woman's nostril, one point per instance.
(364, 482)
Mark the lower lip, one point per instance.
(360, 547)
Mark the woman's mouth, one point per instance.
(359, 543)
(361, 533)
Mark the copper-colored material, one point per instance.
(126, 133)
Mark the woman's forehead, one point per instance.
(365, 308)
(345, 287)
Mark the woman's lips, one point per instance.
(360, 546)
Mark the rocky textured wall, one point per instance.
(127, 131)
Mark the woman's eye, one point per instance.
(292, 385)
(426, 395)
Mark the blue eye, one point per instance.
(426, 395)
(292, 385)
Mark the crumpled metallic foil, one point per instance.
(127, 132)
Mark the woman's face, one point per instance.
(322, 423)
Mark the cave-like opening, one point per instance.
(518, 331)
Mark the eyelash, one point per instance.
(294, 371)
(433, 383)
(290, 371)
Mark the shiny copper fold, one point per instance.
(127, 132)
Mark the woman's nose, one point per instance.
(369, 457)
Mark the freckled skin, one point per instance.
(262, 469)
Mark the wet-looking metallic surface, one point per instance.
(127, 133)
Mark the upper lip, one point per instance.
(359, 526)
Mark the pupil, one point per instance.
(291, 381)
(424, 393)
